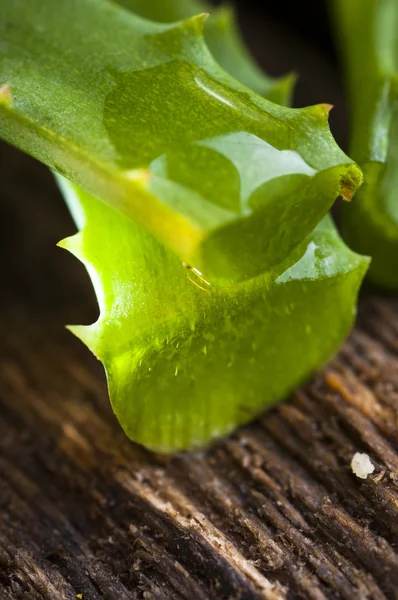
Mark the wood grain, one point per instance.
(274, 512)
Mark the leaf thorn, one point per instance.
(321, 111)
(350, 182)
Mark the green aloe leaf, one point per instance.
(140, 115)
(223, 39)
(368, 35)
(187, 361)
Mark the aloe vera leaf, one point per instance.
(187, 361)
(224, 41)
(232, 350)
(141, 116)
(369, 42)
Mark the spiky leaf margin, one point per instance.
(141, 116)
(187, 361)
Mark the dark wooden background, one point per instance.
(274, 512)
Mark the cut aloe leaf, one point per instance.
(216, 295)
(187, 361)
(368, 35)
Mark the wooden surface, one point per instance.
(273, 512)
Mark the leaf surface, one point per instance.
(187, 361)
(223, 39)
(140, 115)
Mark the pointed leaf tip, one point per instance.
(327, 107)
(321, 111)
(64, 244)
(72, 244)
(82, 333)
(196, 24)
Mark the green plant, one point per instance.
(220, 281)
(223, 40)
(368, 36)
